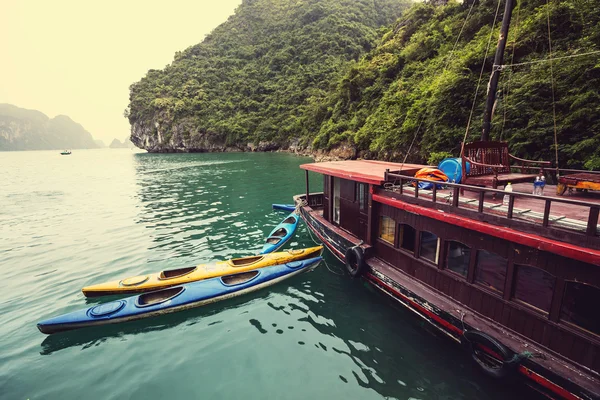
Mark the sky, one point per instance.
(78, 58)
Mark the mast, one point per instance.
(498, 60)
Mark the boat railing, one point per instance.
(397, 183)
(315, 200)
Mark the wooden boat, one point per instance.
(173, 277)
(517, 285)
(281, 234)
(284, 207)
(177, 298)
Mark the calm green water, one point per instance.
(70, 221)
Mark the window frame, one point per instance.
(523, 303)
(447, 255)
(400, 235)
(437, 250)
(487, 289)
(380, 226)
(573, 325)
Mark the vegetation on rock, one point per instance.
(326, 74)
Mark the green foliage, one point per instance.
(412, 86)
(342, 71)
(435, 157)
(256, 76)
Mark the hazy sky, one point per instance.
(78, 57)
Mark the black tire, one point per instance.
(490, 365)
(355, 261)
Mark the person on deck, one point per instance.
(539, 183)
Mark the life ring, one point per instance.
(355, 261)
(485, 351)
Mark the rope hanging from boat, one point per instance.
(480, 76)
(552, 82)
(512, 58)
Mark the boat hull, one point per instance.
(169, 278)
(178, 298)
(281, 234)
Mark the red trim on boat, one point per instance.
(325, 242)
(542, 381)
(415, 305)
(539, 379)
(553, 246)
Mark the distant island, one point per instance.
(117, 144)
(22, 129)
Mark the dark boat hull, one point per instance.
(402, 289)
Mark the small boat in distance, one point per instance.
(177, 298)
(65, 153)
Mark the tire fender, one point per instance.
(475, 340)
(355, 261)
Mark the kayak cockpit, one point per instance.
(273, 240)
(160, 296)
(239, 262)
(289, 220)
(176, 273)
(238, 279)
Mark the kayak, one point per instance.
(177, 298)
(281, 234)
(284, 207)
(174, 277)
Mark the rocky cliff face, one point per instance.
(22, 129)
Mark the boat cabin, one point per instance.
(525, 271)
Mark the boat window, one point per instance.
(362, 194)
(407, 236)
(534, 286)
(430, 247)
(580, 306)
(458, 258)
(387, 229)
(336, 200)
(490, 271)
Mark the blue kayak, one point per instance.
(284, 207)
(281, 234)
(177, 298)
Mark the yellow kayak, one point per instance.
(168, 278)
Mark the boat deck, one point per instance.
(531, 209)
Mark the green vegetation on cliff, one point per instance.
(413, 78)
(253, 77)
(327, 73)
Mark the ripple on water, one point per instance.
(107, 214)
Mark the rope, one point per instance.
(458, 37)
(589, 53)
(552, 81)
(479, 81)
(444, 69)
(302, 204)
(512, 58)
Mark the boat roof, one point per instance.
(366, 171)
